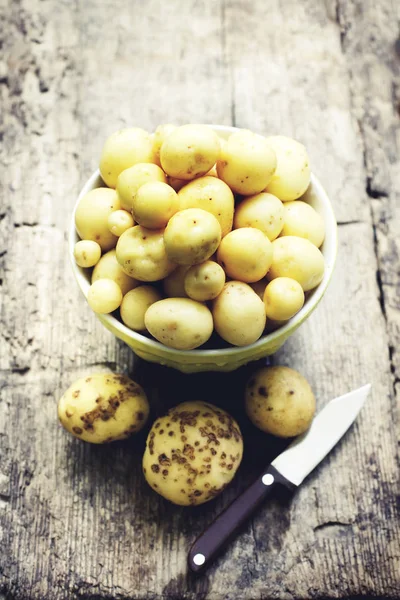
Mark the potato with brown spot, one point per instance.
(185, 467)
(103, 408)
(280, 401)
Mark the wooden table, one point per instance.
(78, 521)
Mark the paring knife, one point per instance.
(289, 469)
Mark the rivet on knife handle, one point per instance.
(212, 541)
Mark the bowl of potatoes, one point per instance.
(202, 247)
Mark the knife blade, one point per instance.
(289, 469)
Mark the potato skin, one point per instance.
(87, 253)
(302, 220)
(160, 134)
(245, 254)
(91, 217)
(247, 163)
(192, 236)
(189, 151)
(263, 211)
(123, 149)
(210, 194)
(192, 453)
(154, 204)
(297, 258)
(179, 323)
(280, 401)
(283, 298)
(104, 296)
(292, 175)
(103, 407)
(135, 304)
(141, 254)
(109, 268)
(205, 281)
(239, 314)
(132, 179)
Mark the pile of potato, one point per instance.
(194, 451)
(195, 233)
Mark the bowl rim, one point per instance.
(113, 323)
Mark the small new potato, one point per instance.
(179, 323)
(119, 221)
(293, 173)
(141, 254)
(174, 284)
(299, 259)
(122, 150)
(160, 134)
(91, 217)
(154, 204)
(87, 253)
(247, 163)
(109, 268)
(280, 401)
(135, 304)
(263, 211)
(104, 296)
(205, 281)
(192, 453)
(245, 254)
(131, 180)
(283, 298)
(103, 407)
(210, 194)
(189, 151)
(192, 236)
(239, 314)
(302, 220)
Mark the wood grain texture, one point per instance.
(80, 522)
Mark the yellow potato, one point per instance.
(210, 194)
(245, 254)
(189, 151)
(302, 220)
(154, 204)
(132, 179)
(263, 211)
(293, 173)
(239, 314)
(103, 407)
(179, 323)
(192, 236)
(160, 134)
(280, 401)
(298, 259)
(109, 268)
(119, 221)
(247, 163)
(283, 298)
(122, 150)
(87, 253)
(91, 217)
(174, 284)
(192, 453)
(141, 254)
(135, 304)
(205, 281)
(104, 296)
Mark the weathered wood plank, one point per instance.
(77, 521)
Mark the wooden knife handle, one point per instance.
(227, 523)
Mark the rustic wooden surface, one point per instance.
(78, 521)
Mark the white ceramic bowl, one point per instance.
(224, 359)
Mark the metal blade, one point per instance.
(331, 423)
